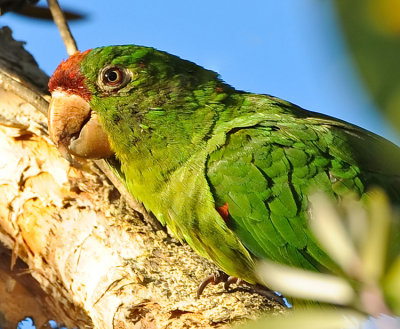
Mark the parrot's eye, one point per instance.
(112, 78)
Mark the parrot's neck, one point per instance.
(155, 157)
(158, 143)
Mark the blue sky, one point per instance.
(288, 48)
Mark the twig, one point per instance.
(28, 93)
(62, 25)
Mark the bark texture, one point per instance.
(72, 249)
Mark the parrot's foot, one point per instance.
(220, 276)
(216, 278)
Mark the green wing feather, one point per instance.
(266, 171)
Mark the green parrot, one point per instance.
(227, 171)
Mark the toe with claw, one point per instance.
(220, 277)
(213, 279)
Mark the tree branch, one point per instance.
(62, 25)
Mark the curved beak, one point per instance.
(75, 129)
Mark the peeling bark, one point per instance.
(91, 260)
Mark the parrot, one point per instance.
(228, 171)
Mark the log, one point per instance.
(74, 250)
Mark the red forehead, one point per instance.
(69, 78)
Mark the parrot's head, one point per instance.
(114, 90)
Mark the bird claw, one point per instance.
(213, 279)
(230, 280)
(217, 278)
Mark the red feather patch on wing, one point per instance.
(69, 78)
(224, 212)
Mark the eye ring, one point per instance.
(113, 78)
